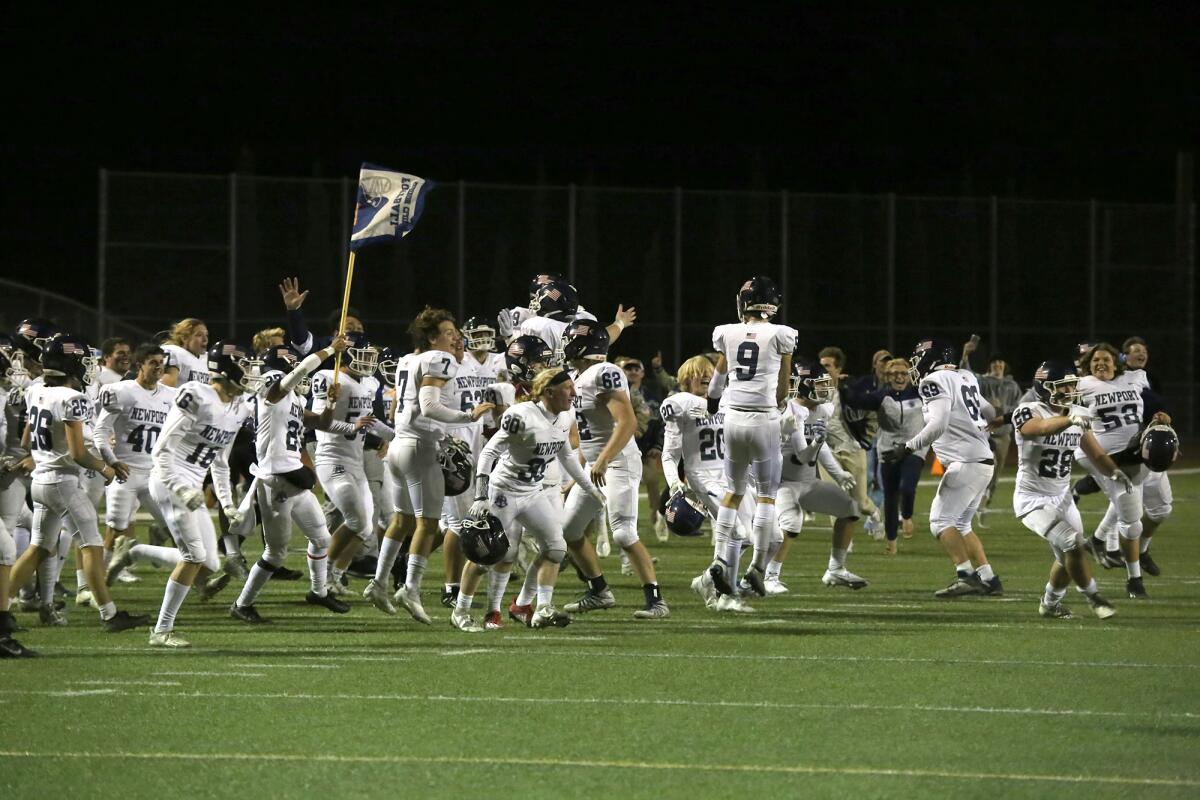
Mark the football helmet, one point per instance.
(538, 281)
(284, 358)
(684, 514)
(389, 359)
(67, 356)
(759, 296)
(33, 334)
(457, 470)
(810, 381)
(482, 540)
(233, 362)
(1159, 447)
(586, 339)
(479, 335)
(927, 355)
(363, 357)
(555, 300)
(525, 356)
(1056, 384)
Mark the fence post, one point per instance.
(1092, 276)
(102, 261)
(994, 276)
(783, 245)
(1191, 316)
(572, 201)
(232, 255)
(677, 288)
(889, 223)
(462, 247)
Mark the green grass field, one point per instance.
(884, 692)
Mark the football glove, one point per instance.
(234, 516)
(480, 508)
(191, 498)
(896, 453)
(1123, 479)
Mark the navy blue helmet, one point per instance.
(233, 361)
(482, 540)
(525, 356)
(479, 334)
(810, 381)
(683, 515)
(555, 300)
(585, 338)
(1056, 384)
(32, 336)
(67, 356)
(538, 281)
(760, 297)
(457, 470)
(928, 355)
(1159, 448)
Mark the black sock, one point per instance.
(652, 593)
(597, 584)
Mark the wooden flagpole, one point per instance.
(337, 360)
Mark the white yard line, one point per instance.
(287, 666)
(212, 674)
(692, 767)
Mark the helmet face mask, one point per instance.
(91, 367)
(478, 335)
(252, 379)
(810, 381)
(457, 469)
(525, 356)
(364, 359)
(1064, 393)
(482, 540)
(388, 361)
(1057, 385)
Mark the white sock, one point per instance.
(233, 545)
(416, 571)
(837, 557)
(255, 581)
(1053, 596)
(773, 570)
(545, 596)
(1134, 568)
(761, 531)
(733, 558)
(529, 587)
(158, 556)
(81, 579)
(108, 610)
(318, 567)
(965, 568)
(388, 550)
(1144, 544)
(172, 600)
(335, 574)
(723, 525)
(985, 573)
(1091, 588)
(464, 601)
(497, 583)
(46, 578)
(720, 542)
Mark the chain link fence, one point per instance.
(864, 272)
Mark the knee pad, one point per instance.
(320, 539)
(274, 556)
(764, 515)
(555, 555)
(624, 532)
(1132, 532)
(1062, 537)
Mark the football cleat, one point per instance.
(1135, 589)
(994, 588)
(733, 604)
(592, 601)
(843, 577)
(1101, 607)
(493, 621)
(84, 597)
(248, 614)
(216, 582)
(411, 600)
(328, 601)
(362, 567)
(450, 597)
(1112, 559)
(169, 639)
(124, 621)
(754, 580)
(1054, 610)
(48, 615)
(121, 558)
(285, 574)
(235, 566)
(337, 588)
(125, 576)
(378, 595)
(656, 610)
(962, 586)
(11, 648)
(549, 617)
(1149, 566)
(702, 585)
(716, 572)
(521, 614)
(463, 620)
(774, 587)
(626, 566)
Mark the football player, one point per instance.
(301, 338)
(339, 455)
(185, 353)
(1115, 400)
(195, 440)
(1048, 434)
(414, 456)
(56, 412)
(1157, 498)
(801, 490)
(605, 419)
(131, 416)
(555, 305)
(755, 357)
(284, 484)
(509, 485)
(955, 418)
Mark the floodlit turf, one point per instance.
(884, 692)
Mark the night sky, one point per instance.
(1055, 100)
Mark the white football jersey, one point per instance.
(461, 393)
(811, 424)
(436, 364)
(278, 430)
(400, 384)
(1117, 408)
(14, 418)
(210, 428)
(548, 330)
(1044, 462)
(529, 440)
(356, 398)
(754, 352)
(596, 424)
(191, 368)
(134, 417)
(47, 409)
(493, 369)
(700, 439)
(957, 391)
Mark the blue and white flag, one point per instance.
(388, 206)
